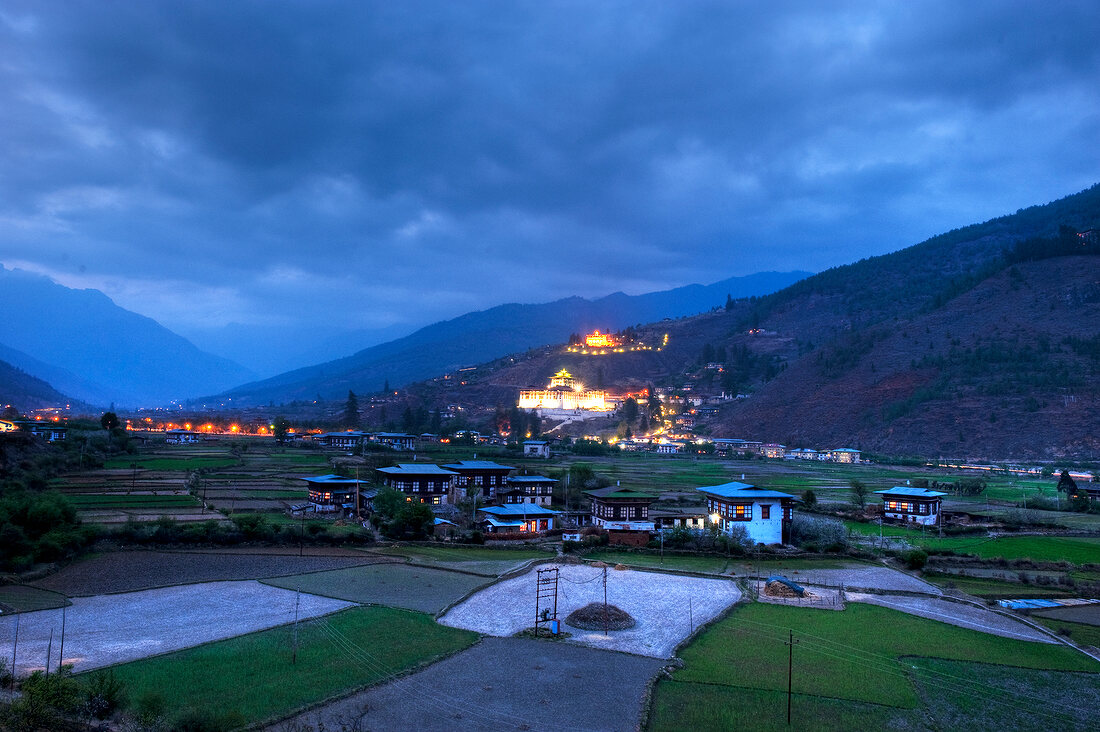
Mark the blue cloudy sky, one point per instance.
(374, 164)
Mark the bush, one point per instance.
(818, 531)
(104, 694)
(916, 559)
(809, 498)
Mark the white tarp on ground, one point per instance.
(666, 606)
(107, 629)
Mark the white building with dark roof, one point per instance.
(765, 514)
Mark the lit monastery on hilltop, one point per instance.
(564, 394)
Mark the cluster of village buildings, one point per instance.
(520, 505)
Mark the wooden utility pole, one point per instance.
(61, 652)
(297, 600)
(14, 650)
(605, 600)
(790, 670)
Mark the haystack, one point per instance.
(597, 616)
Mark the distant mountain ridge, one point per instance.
(100, 351)
(26, 392)
(484, 335)
(966, 345)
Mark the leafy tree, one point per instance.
(280, 427)
(351, 411)
(859, 492)
(387, 502)
(1066, 484)
(630, 410)
(643, 426)
(729, 302)
(809, 498)
(109, 421)
(654, 406)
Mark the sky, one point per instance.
(304, 169)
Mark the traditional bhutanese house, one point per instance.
(486, 476)
(395, 440)
(911, 505)
(442, 528)
(181, 437)
(341, 440)
(621, 509)
(669, 448)
(844, 455)
(802, 453)
(517, 517)
(332, 493)
(47, 431)
(773, 450)
(536, 448)
(675, 518)
(419, 481)
(537, 489)
(765, 514)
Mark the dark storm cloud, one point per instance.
(363, 153)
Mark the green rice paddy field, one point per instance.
(256, 677)
(870, 667)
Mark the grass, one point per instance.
(119, 500)
(705, 564)
(995, 589)
(978, 696)
(167, 464)
(396, 585)
(1081, 633)
(680, 705)
(252, 676)
(855, 653)
(867, 668)
(1075, 550)
(23, 599)
(469, 558)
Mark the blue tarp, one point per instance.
(797, 588)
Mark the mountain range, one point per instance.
(484, 335)
(93, 350)
(981, 342)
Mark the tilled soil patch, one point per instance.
(110, 629)
(127, 571)
(500, 684)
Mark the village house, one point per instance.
(621, 509)
(395, 440)
(429, 484)
(912, 505)
(802, 453)
(181, 437)
(46, 430)
(675, 518)
(517, 517)
(844, 455)
(537, 489)
(484, 475)
(536, 448)
(349, 440)
(773, 450)
(765, 514)
(332, 493)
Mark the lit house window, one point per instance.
(742, 512)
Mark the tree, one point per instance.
(280, 427)
(1066, 484)
(408, 421)
(859, 492)
(654, 406)
(729, 302)
(109, 421)
(630, 410)
(643, 426)
(351, 411)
